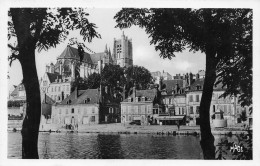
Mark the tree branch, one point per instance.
(13, 57)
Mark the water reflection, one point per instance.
(109, 147)
(112, 146)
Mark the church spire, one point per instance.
(109, 52)
(106, 51)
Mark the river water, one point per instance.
(109, 146)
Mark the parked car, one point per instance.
(135, 123)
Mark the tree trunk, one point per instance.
(31, 121)
(207, 139)
(21, 18)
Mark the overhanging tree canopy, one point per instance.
(40, 28)
(218, 33)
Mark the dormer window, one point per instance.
(129, 99)
(87, 100)
(69, 101)
(136, 99)
(143, 98)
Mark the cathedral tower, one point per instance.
(123, 51)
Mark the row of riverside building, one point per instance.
(174, 100)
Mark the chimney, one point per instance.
(190, 78)
(76, 92)
(197, 76)
(134, 92)
(177, 88)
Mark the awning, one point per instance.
(136, 118)
(170, 117)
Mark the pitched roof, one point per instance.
(46, 110)
(149, 93)
(171, 84)
(18, 88)
(96, 57)
(197, 82)
(53, 76)
(47, 100)
(200, 82)
(72, 53)
(92, 94)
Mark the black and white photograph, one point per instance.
(134, 81)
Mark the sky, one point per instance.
(144, 54)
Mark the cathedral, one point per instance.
(57, 79)
(68, 60)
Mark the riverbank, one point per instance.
(136, 129)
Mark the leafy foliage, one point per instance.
(243, 116)
(92, 82)
(49, 26)
(140, 75)
(113, 77)
(240, 150)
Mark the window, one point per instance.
(149, 109)
(78, 111)
(229, 109)
(191, 110)
(72, 110)
(93, 110)
(67, 111)
(143, 109)
(59, 89)
(139, 110)
(183, 111)
(136, 110)
(111, 110)
(214, 108)
(197, 98)
(225, 109)
(197, 109)
(129, 118)
(129, 110)
(92, 119)
(190, 98)
(124, 109)
(69, 101)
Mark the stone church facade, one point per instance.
(56, 82)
